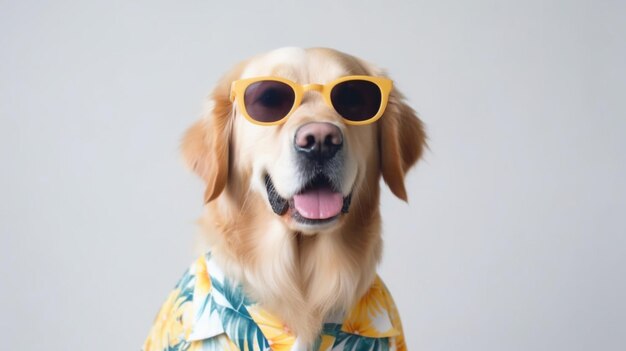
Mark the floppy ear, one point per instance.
(205, 146)
(401, 141)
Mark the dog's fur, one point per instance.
(299, 272)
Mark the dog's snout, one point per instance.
(319, 140)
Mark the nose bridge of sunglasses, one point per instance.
(310, 88)
(315, 87)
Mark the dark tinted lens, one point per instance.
(356, 100)
(268, 101)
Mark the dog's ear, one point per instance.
(205, 149)
(205, 145)
(401, 140)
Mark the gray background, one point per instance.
(514, 238)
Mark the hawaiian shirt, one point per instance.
(207, 311)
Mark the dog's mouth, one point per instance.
(317, 202)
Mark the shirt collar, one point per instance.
(220, 307)
(206, 321)
(374, 315)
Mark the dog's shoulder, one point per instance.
(175, 326)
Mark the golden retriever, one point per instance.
(299, 261)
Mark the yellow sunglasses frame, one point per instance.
(238, 89)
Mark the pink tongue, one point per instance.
(318, 203)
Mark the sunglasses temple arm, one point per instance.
(232, 92)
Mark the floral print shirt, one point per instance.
(207, 311)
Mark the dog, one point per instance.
(292, 149)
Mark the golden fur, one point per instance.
(299, 274)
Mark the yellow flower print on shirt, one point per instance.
(207, 311)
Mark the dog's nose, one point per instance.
(318, 140)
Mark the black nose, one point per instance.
(318, 140)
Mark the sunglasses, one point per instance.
(270, 100)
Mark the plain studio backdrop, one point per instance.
(514, 237)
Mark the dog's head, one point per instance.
(314, 168)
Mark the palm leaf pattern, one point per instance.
(185, 285)
(236, 319)
(351, 342)
(223, 307)
(181, 346)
